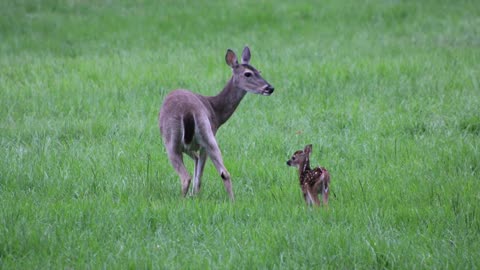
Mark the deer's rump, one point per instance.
(181, 115)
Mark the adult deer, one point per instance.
(189, 121)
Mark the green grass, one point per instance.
(386, 91)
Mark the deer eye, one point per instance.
(248, 74)
(293, 158)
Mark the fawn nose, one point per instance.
(288, 162)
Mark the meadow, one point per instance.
(386, 91)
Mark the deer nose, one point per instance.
(268, 89)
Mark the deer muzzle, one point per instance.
(267, 90)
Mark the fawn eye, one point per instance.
(293, 158)
(248, 74)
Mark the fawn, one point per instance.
(189, 121)
(312, 181)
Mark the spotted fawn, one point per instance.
(312, 181)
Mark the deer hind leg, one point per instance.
(325, 190)
(176, 158)
(207, 140)
(325, 186)
(321, 186)
(216, 156)
(199, 166)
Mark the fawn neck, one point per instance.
(225, 103)
(303, 166)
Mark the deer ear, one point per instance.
(231, 58)
(308, 149)
(246, 55)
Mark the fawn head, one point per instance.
(300, 157)
(245, 76)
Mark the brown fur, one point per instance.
(312, 181)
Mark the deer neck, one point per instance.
(303, 167)
(226, 102)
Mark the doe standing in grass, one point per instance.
(189, 121)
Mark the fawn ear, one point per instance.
(308, 149)
(231, 59)
(246, 55)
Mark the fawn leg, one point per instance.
(305, 195)
(309, 196)
(314, 196)
(325, 191)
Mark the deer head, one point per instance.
(301, 158)
(245, 76)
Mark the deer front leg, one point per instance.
(313, 195)
(199, 166)
(306, 195)
(176, 159)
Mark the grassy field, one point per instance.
(386, 91)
